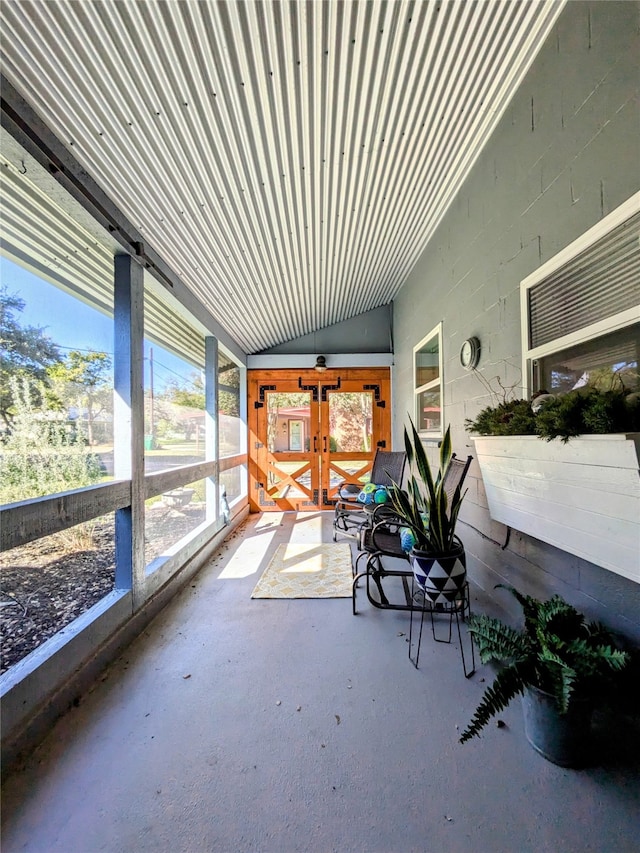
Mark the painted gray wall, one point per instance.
(368, 332)
(564, 156)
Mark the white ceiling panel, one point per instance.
(289, 161)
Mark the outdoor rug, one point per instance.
(307, 571)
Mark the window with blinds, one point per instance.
(581, 321)
(602, 281)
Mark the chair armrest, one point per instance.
(385, 536)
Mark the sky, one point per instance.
(74, 325)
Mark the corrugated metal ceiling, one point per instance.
(289, 160)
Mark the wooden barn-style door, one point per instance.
(308, 431)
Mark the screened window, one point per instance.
(230, 422)
(427, 382)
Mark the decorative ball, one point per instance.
(380, 495)
(369, 488)
(407, 539)
(365, 497)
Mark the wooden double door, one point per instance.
(309, 431)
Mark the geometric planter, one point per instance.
(582, 496)
(563, 739)
(442, 577)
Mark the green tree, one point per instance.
(25, 351)
(84, 380)
(189, 394)
(176, 402)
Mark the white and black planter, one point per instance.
(442, 577)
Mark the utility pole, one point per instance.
(151, 413)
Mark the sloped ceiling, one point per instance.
(289, 161)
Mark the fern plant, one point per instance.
(557, 651)
(425, 505)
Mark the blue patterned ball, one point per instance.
(407, 539)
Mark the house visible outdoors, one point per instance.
(435, 203)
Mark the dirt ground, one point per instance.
(46, 584)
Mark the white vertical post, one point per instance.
(212, 450)
(128, 427)
(243, 415)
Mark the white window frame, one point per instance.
(586, 333)
(429, 386)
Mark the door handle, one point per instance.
(324, 443)
(315, 443)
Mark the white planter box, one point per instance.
(582, 496)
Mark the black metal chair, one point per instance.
(349, 514)
(381, 539)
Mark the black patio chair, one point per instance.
(381, 539)
(349, 513)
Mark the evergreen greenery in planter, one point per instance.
(583, 411)
(556, 651)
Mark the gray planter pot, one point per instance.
(563, 739)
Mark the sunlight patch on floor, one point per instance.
(249, 555)
(304, 557)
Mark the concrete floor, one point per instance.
(235, 724)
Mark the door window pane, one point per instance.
(289, 479)
(288, 422)
(350, 421)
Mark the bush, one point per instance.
(43, 453)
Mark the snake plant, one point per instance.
(425, 505)
(556, 651)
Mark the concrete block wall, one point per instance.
(564, 155)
